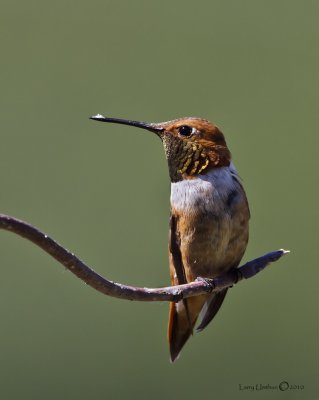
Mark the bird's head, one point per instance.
(192, 145)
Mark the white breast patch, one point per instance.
(207, 192)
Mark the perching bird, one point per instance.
(209, 216)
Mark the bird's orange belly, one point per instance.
(214, 246)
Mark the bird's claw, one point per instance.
(210, 282)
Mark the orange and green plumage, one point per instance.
(209, 216)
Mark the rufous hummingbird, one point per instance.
(209, 216)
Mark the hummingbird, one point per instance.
(208, 229)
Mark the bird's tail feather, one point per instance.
(181, 322)
(182, 318)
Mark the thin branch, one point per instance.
(110, 288)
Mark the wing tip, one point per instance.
(212, 309)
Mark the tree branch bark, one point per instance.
(114, 289)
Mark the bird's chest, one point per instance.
(212, 222)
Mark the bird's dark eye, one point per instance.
(185, 130)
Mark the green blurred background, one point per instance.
(103, 192)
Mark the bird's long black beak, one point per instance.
(144, 125)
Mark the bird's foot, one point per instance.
(210, 282)
(239, 275)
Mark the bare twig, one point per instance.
(171, 293)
